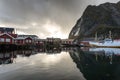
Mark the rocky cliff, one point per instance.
(98, 19)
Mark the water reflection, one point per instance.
(39, 64)
(8, 57)
(58, 64)
(98, 63)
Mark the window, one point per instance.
(30, 41)
(27, 41)
(7, 40)
(2, 40)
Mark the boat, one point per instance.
(107, 42)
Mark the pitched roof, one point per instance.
(7, 34)
(19, 38)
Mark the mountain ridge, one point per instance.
(101, 19)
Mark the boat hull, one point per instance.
(113, 44)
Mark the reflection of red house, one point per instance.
(6, 38)
(7, 58)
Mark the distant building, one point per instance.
(53, 40)
(40, 42)
(67, 41)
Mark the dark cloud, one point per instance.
(21, 14)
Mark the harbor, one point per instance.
(85, 63)
(59, 39)
(10, 40)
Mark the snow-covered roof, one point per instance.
(20, 38)
(26, 36)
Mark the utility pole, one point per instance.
(96, 39)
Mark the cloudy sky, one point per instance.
(45, 18)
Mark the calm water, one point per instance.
(61, 64)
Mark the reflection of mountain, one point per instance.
(97, 67)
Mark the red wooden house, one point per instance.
(7, 35)
(6, 39)
(23, 41)
(19, 41)
(28, 40)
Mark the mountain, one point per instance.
(99, 19)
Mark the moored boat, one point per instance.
(106, 43)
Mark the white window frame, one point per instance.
(2, 40)
(29, 41)
(7, 39)
(26, 41)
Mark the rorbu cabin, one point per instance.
(7, 35)
(6, 39)
(23, 40)
(19, 41)
(28, 40)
